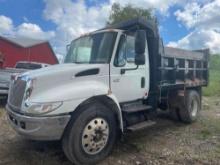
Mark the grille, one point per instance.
(16, 94)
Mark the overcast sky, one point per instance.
(190, 24)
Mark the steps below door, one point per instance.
(132, 108)
(141, 125)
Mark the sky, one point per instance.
(188, 24)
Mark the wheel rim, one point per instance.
(194, 107)
(95, 136)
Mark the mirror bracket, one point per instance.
(128, 69)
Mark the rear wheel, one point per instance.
(174, 114)
(192, 106)
(90, 137)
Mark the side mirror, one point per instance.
(140, 45)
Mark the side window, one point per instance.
(120, 58)
(126, 51)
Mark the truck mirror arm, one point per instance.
(128, 69)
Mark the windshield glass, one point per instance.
(95, 48)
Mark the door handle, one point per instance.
(142, 82)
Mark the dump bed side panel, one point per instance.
(184, 54)
(183, 67)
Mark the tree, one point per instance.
(119, 13)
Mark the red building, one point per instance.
(17, 49)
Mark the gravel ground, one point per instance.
(167, 142)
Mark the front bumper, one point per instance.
(38, 128)
(3, 89)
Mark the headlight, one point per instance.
(29, 89)
(41, 108)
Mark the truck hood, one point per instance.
(59, 78)
(62, 70)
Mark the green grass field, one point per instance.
(214, 84)
(214, 77)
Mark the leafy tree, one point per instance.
(119, 13)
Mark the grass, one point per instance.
(215, 62)
(210, 128)
(205, 134)
(214, 84)
(214, 80)
(209, 134)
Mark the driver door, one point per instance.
(132, 84)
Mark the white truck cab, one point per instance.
(107, 83)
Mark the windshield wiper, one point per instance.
(76, 62)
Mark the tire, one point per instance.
(91, 135)
(174, 114)
(191, 108)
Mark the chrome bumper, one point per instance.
(4, 88)
(3, 91)
(38, 128)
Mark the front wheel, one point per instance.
(90, 137)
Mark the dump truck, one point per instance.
(113, 81)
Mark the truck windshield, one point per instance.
(94, 48)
